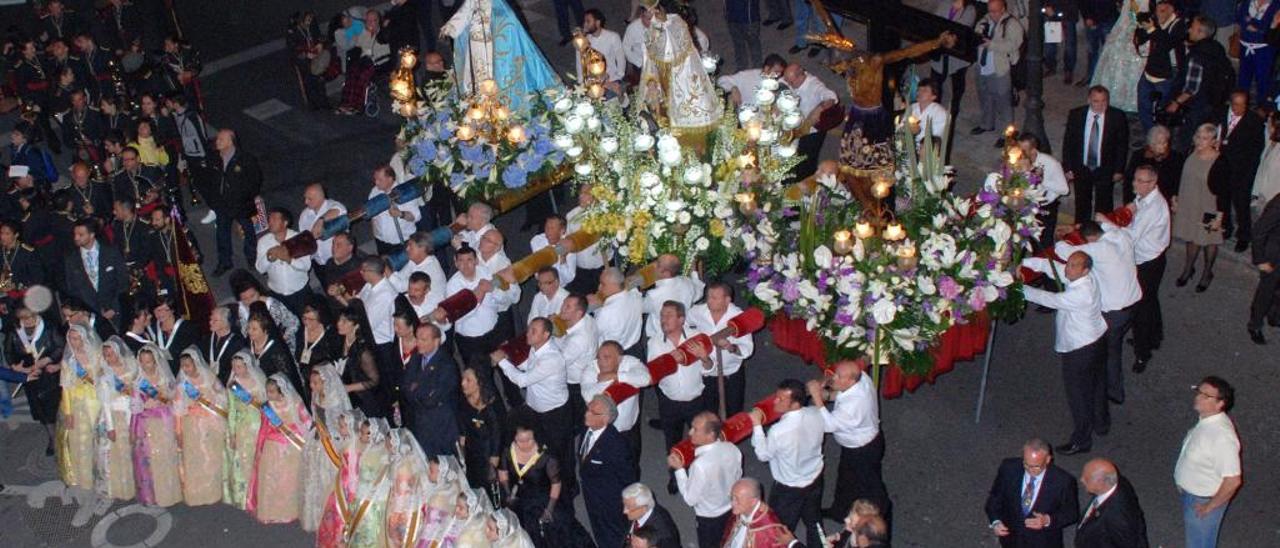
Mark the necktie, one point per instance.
(1091, 154)
(991, 27)
(586, 444)
(91, 266)
(1028, 496)
(1090, 512)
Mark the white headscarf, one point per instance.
(254, 381)
(72, 365)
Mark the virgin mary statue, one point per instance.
(676, 87)
(490, 43)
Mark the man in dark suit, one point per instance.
(1114, 518)
(604, 470)
(1094, 151)
(223, 342)
(1242, 137)
(96, 273)
(229, 181)
(1032, 500)
(644, 513)
(1266, 256)
(430, 385)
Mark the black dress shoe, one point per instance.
(1183, 279)
(1071, 449)
(1273, 322)
(1116, 400)
(785, 25)
(1242, 246)
(978, 130)
(770, 22)
(1102, 431)
(1204, 283)
(1255, 335)
(797, 49)
(48, 450)
(1140, 364)
(1082, 82)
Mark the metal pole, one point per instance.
(986, 367)
(720, 380)
(1033, 117)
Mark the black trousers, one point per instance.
(1049, 218)
(796, 504)
(385, 249)
(1118, 323)
(632, 436)
(809, 146)
(675, 416)
(1085, 379)
(1237, 216)
(555, 430)
(735, 387)
(711, 530)
(859, 477)
(502, 332)
(295, 301)
(1266, 300)
(1095, 191)
(1148, 322)
(585, 281)
(577, 408)
(957, 93)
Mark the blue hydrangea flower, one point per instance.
(456, 180)
(514, 176)
(471, 154)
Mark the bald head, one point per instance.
(668, 266)
(744, 496)
(845, 374)
(1099, 476)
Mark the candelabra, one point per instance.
(594, 65)
(489, 118)
(403, 88)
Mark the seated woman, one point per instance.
(367, 56)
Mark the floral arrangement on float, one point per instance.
(656, 193)
(478, 145)
(886, 282)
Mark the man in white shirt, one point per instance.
(1117, 276)
(619, 316)
(1208, 471)
(588, 262)
(379, 299)
(392, 227)
(550, 296)
(476, 222)
(742, 85)
(671, 285)
(633, 41)
(705, 486)
(1079, 330)
(931, 116)
(1053, 184)
(420, 259)
(287, 276)
(712, 316)
(815, 98)
(793, 449)
(609, 44)
(319, 208)
(680, 393)
(1150, 234)
(542, 376)
(554, 229)
(578, 344)
(473, 331)
(609, 367)
(418, 298)
(854, 424)
(493, 259)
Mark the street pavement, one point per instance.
(939, 463)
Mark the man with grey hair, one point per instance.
(755, 524)
(605, 469)
(1114, 517)
(618, 317)
(418, 252)
(1032, 500)
(611, 367)
(476, 222)
(671, 285)
(644, 512)
(223, 342)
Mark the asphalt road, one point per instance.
(938, 464)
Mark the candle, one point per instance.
(1016, 198)
(476, 114)
(894, 232)
(863, 230)
(515, 135)
(913, 124)
(595, 90)
(1015, 154)
(596, 68)
(746, 202)
(408, 58)
(1010, 131)
(754, 128)
(579, 41)
(400, 89)
(880, 190)
(502, 113)
(907, 257)
(465, 133)
(843, 243)
(488, 88)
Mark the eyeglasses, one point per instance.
(1200, 392)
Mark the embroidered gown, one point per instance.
(156, 467)
(275, 495)
(246, 386)
(442, 495)
(1120, 64)
(373, 483)
(340, 503)
(466, 524)
(202, 408)
(114, 467)
(79, 409)
(328, 402)
(408, 492)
